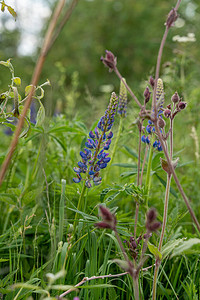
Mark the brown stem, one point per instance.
(128, 88)
(176, 178)
(34, 82)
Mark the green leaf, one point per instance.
(125, 165)
(6, 63)
(128, 174)
(3, 6)
(154, 250)
(123, 264)
(131, 151)
(3, 260)
(184, 246)
(28, 89)
(40, 115)
(169, 247)
(172, 190)
(17, 81)
(12, 12)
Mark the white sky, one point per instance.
(30, 17)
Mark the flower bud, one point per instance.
(147, 95)
(161, 123)
(167, 113)
(171, 18)
(169, 106)
(181, 105)
(151, 215)
(152, 81)
(175, 98)
(109, 60)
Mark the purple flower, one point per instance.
(94, 157)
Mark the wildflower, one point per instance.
(94, 158)
(109, 60)
(122, 99)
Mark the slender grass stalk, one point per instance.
(61, 209)
(114, 148)
(143, 164)
(138, 182)
(148, 177)
(79, 206)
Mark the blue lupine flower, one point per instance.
(150, 129)
(98, 142)
(122, 99)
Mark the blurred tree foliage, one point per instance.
(131, 29)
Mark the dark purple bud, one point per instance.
(171, 18)
(106, 159)
(147, 95)
(169, 106)
(109, 60)
(181, 105)
(105, 213)
(103, 165)
(148, 129)
(103, 225)
(151, 215)
(154, 227)
(161, 123)
(175, 98)
(167, 113)
(152, 81)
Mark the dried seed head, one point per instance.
(167, 113)
(161, 123)
(181, 105)
(175, 98)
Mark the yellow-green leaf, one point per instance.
(17, 81)
(28, 89)
(12, 12)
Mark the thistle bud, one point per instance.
(167, 113)
(161, 123)
(109, 60)
(175, 98)
(147, 95)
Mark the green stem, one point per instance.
(79, 204)
(148, 177)
(158, 261)
(114, 148)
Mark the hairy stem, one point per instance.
(148, 177)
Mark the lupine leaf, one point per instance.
(154, 250)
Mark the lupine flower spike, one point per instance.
(94, 158)
(150, 129)
(122, 99)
